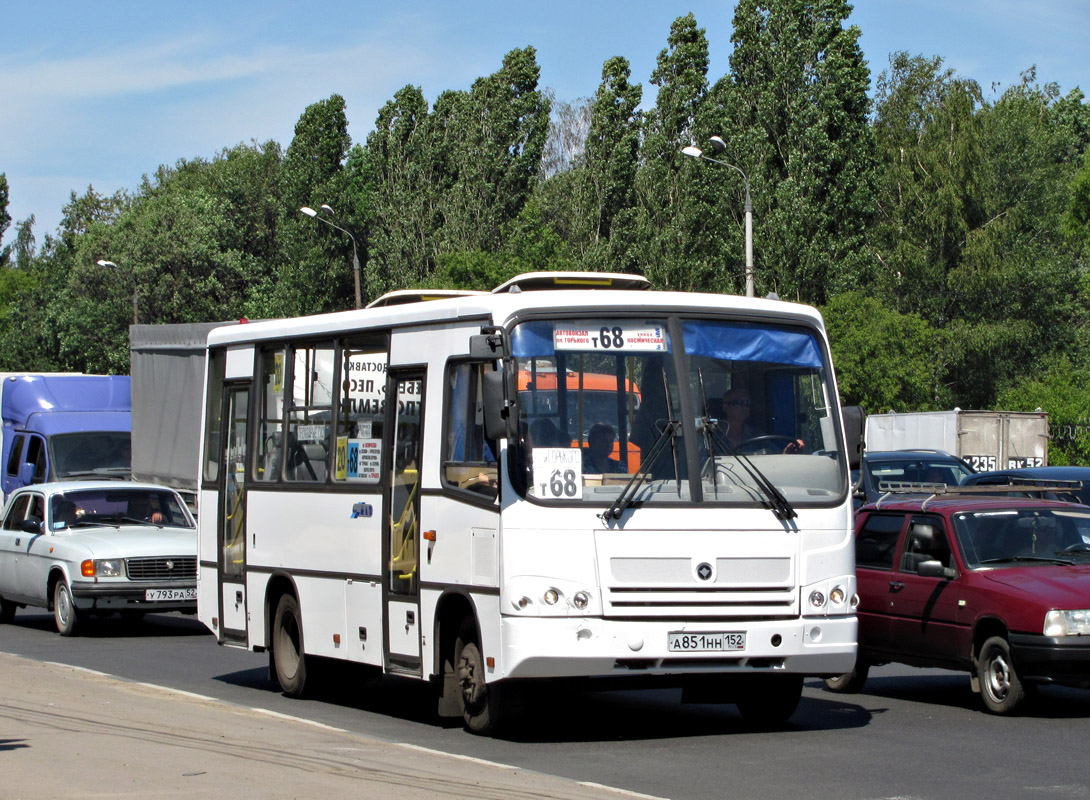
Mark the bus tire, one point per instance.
(481, 703)
(771, 700)
(7, 611)
(289, 658)
(65, 614)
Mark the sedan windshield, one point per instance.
(1013, 536)
(150, 507)
(691, 410)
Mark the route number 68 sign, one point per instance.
(557, 472)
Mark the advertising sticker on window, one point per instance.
(358, 460)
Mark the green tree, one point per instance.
(492, 141)
(315, 269)
(403, 176)
(884, 359)
(1076, 221)
(668, 218)
(795, 118)
(607, 182)
(1063, 390)
(5, 218)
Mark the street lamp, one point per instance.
(719, 146)
(135, 316)
(333, 223)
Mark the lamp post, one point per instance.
(719, 146)
(333, 223)
(135, 297)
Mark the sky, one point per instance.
(99, 94)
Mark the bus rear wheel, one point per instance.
(289, 659)
(481, 703)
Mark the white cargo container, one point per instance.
(986, 439)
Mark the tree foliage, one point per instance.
(944, 235)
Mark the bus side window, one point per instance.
(270, 450)
(469, 459)
(310, 412)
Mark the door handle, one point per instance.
(896, 585)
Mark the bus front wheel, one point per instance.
(289, 659)
(481, 703)
(770, 700)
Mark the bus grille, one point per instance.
(163, 568)
(741, 588)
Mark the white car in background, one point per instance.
(97, 547)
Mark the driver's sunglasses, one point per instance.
(736, 402)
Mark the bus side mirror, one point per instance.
(489, 344)
(497, 411)
(853, 434)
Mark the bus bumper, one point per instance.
(596, 647)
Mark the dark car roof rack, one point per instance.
(893, 488)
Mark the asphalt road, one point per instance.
(910, 734)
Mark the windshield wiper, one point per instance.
(1044, 559)
(668, 435)
(624, 499)
(716, 439)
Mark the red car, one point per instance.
(995, 586)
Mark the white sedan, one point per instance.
(82, 547)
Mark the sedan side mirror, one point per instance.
(935, 569)
(31, 525)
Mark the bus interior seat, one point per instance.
(308, 462)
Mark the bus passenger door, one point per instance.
(231, 528)
(402, 523)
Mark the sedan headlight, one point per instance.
(1067, 623)
(103, 568)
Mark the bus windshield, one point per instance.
(705, 410)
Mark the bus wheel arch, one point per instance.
(452, 611)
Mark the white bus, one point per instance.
(411, 487)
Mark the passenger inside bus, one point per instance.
(596, 455)
(544, 433)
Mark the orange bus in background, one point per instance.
(590, 398)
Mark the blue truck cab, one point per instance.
(60, 427)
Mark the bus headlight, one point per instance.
(832, 597)
(532, 596)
